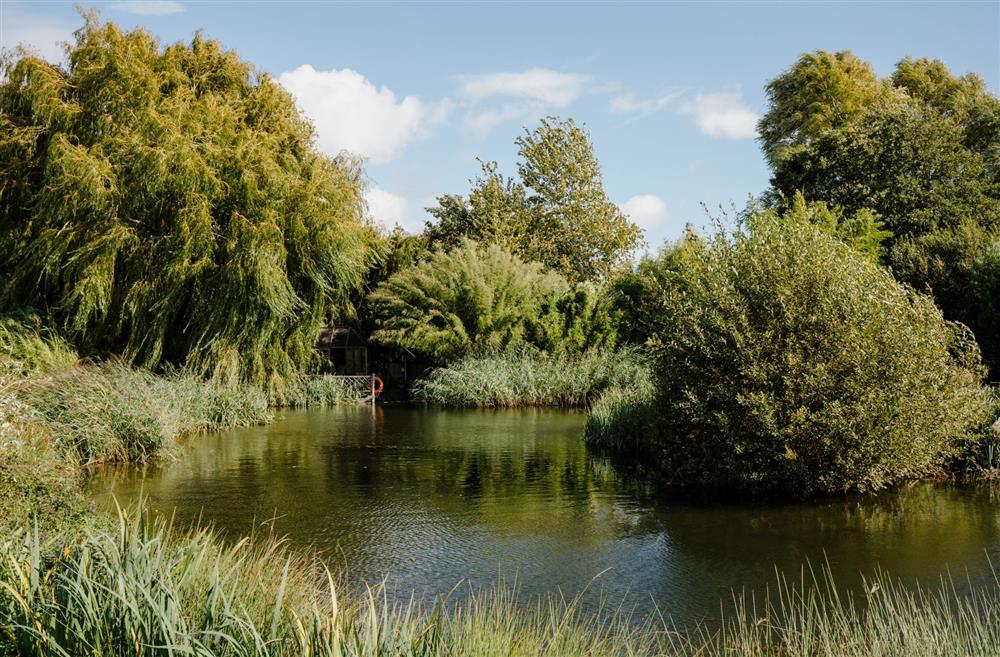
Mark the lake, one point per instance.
(430, 498)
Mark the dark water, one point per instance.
(429, 498)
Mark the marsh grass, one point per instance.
(111, 412)
(144, 588)
(530, 378)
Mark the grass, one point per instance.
(621, 417)
(142, 588)
(530, 378)
(58, 413)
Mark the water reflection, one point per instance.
(431, 497)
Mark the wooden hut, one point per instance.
(346, 351)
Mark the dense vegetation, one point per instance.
(789, 362)
(141, 589)
(528, 378)
(167, 205)
(167, 213)
(920, 149)
(556, 213)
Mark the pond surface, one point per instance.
(429, 498)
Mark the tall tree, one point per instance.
(167, 204)
(556, 212)
(819, 92)
(918, 149)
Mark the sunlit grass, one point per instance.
(531, 378)
(142, 588)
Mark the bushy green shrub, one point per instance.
(459, 301)
(577, 319)
(789, 363)
(526, 377)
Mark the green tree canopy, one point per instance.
(467, 299)
(168, 205)
(819, 92)
(917, 149)
(789, 362)
(556, 212)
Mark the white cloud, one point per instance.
(722, 114)
(541, 85)
(629, 103)
(648, 211)
(389, 209)
(40, 34)
(352, 114)
(481, 121)
(149, 7)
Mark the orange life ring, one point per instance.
(377, 390)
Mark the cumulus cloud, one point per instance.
(630, 103)
(648, 211)
(537, 84)
(352, 114)
(40, 34)
(389, 209)
(149, 7)
(722, 115)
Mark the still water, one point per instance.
(430, 498)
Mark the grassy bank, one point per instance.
(531, 378)
(58, 413)
(143, 589)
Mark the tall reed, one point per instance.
(144, 589)
(531, 378)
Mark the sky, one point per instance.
(669, 91)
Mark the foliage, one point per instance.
(638, 294)
(965, 100)
(556, 213)
(168, 205)
(790, 364)
(920, 149)
(467, 299)
(574, 320)
(36, 480)
(28, 349)
(821, 91)
(143, 589)
(529, 378)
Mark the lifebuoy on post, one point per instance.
(377, 389)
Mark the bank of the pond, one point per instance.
(141, 589)
(58, 413)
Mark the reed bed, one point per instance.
(142, 588)
(531, 378)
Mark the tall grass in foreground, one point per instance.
(530, 378)
(143, 589)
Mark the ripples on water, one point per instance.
(429, 498)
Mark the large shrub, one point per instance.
(788, 362)
(468, 299)
(168, 205)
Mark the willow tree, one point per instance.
(168, 205)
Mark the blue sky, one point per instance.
(669, 91)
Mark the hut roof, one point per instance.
(338, 337)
